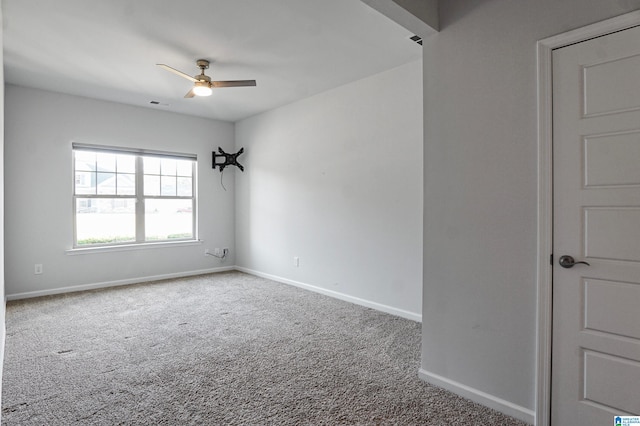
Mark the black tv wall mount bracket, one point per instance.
(228, 159)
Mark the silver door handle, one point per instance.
(567, 261)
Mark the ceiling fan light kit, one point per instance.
(202, 84)
(202, 88)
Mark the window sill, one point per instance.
(129, 247)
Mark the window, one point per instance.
(126, 196)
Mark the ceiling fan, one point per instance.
(202, 84)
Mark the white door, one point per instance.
(596, 175)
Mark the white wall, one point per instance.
(480, 163)
(40, 127)
(336, 180)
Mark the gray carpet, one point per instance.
(219, 349)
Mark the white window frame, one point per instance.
(139, 196)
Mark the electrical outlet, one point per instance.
(225, 251)
(296, 261)
(217, 252)
(38, 269)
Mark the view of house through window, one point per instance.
(127, 197)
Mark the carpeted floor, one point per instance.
(220, 349)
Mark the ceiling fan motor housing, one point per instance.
(203, 78)
(202, 83)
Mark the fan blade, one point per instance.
(176, 72)
(190, 94)
(233, 83)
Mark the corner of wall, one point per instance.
(3, 305)
(418, 17)
(475, 395)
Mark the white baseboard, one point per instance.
(351, 299)
(116, 283)
(483, 398)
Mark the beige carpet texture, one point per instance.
(218, 349)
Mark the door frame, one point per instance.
(544, 330)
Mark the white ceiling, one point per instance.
(107, 49)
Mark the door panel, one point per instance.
(596, 173)
(603, 297)
(601, 369)
(612, 160)
(612, 233)
(610, 86)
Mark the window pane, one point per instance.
(85, 183)
(106, 183)
(151, 185)
(184, 168)
(113, 174)
(85, 160)
(185, 187)
(105, 220)
(168, 185)
(168, 219)
(106, 162)
(151, 165)
(126, 184)
(168, 167)
(126, 164)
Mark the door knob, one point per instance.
(567, 261)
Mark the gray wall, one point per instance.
(2, 291)
(480, 167)
(336, 180)
(40, 129)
